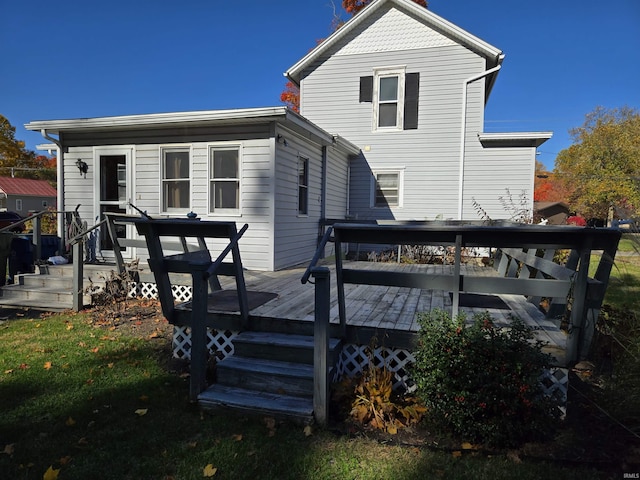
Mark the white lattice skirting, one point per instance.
(181, 293)
(353, 358)
(219, 343)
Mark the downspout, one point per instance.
(463, 128)
(59, 182)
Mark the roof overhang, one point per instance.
(492, 54)
(202, 118)
(514, 139)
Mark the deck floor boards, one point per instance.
(385, 307)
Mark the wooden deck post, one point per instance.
(321, 344)
(78, 274)
(198, 379)
(575, 343)
(36, 238)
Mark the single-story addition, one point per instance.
(391, 128)
(268, 167)
(25, 195)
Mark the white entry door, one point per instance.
(113, 192)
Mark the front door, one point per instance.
(113, 193)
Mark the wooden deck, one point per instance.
(388, 310)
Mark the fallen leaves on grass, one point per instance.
(9, 449)
(141, 411)
(70, 422)
(237, 437)
(51, 473)
(308, 431)
(209, 471)
(47, 365)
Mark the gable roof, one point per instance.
(27, 187)
(493, 55)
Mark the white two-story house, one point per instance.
(390, 127)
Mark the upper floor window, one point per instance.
(394, 95)
(303, 186)
(388, 100)
(387, 188)
(18, 204)
(176, 182)
(224, 179)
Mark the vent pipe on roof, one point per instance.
(463, 128)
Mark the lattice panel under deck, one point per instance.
(355, 358)
(181, 293)
(555, 383)
(218, 342)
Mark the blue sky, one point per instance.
(75, 59)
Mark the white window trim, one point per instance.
(299, 158)
(400, 172)
(177, 146)
(389, 72)
(228, 212)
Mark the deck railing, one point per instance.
(586, 293)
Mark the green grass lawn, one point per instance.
(623, 291)
(99, 404)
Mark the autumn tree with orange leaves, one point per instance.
(290, 96)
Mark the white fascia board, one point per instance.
(157, 119)
(514, 139)
(436, 22)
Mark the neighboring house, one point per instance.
(391, 128)
(555, 213)
(24, 195)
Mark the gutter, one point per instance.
(59, 182)
(463, 127)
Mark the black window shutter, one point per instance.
(366, 89)
(411, 93)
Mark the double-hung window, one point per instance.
(176, 181)
(389, 99)
(303, 186)
(224, 179)
(387, 189)
(395, 95)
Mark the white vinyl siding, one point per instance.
(296, 235)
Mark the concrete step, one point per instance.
(295, 379)
(299, 409)
(280, 346)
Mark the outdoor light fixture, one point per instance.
(282, 140)
(83, 167)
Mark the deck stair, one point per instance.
(269, 373)
(50, 289)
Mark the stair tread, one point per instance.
(240, 398)
(265, 366)
(281, 339)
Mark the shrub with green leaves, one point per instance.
(481, 381)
